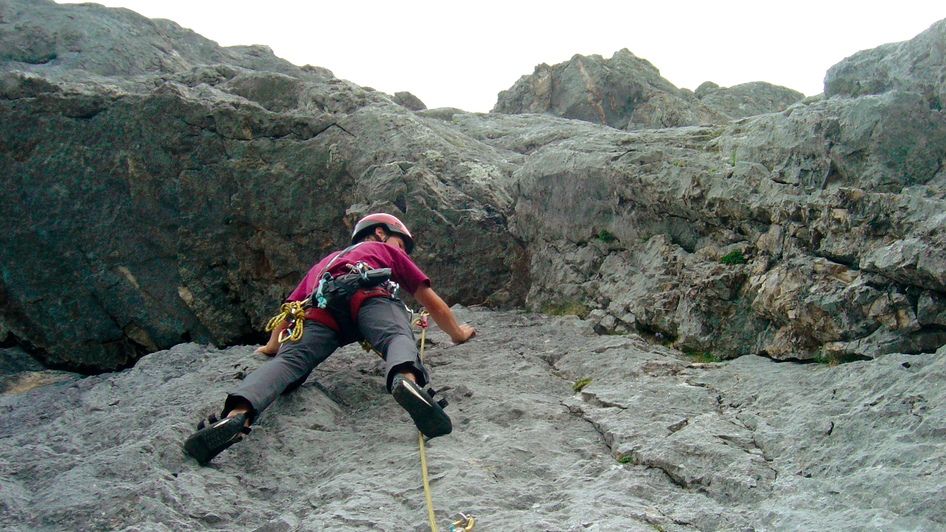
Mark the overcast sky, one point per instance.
(461, 54)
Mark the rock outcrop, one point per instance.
(74, 42)
(915, 66)
(627, 92)
(409, 100)
(807, 234)
(747, 99)
(653, 440)
(179, 198)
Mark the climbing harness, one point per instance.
(353, 288)
(293, 312)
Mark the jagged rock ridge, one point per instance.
(627, 92)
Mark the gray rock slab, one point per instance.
(655, 441)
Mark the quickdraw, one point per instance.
(422, 321)
(320, 299)
(465, 523)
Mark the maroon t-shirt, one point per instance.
(376, 255)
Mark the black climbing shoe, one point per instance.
(210, 440)
(427, 414)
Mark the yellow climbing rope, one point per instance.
(465, 524)
(293, 313)
(422, 321)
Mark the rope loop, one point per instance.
(293, 313)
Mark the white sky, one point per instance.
(461, 54)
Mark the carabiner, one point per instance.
(285, 334)
(466, 523)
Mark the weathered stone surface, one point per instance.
(185, 205)
(66, 41)
(747, 99)
(748, 441)
(154, 219)
(829, 204)
(627, 92)
(409, 100)
(148, 207)
(168, 193)
(654, 440)
(917, 65)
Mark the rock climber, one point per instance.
(349, 299)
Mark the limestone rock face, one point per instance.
(172, 190)
(915, 66)
(148, 208)
(653, 439)
(409, 100)
(75, 40)
(761, 233)
(696, 311)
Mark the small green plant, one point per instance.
(936, 104)
(733, 257)
(581, 383)
(606, 236)
(733, 157)
(566, 308)
(812, 99)
(704, 358)
(625, 459)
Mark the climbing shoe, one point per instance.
(427, 414)
(211, 439)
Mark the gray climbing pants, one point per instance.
(383, 322)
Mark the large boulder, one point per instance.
(76, 40)
(148, 208)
